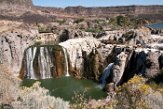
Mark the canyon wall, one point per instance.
(87, 56)
(12, 46)
(128, 10)
(15, 4)
(27, 5)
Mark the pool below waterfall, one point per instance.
(65, 87)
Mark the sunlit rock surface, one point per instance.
(76, 49)
(12, 46)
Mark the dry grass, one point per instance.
(34, 97)
(6, 25)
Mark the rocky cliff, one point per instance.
(89, 58)
(153, 12)
(128, 10)
(131, 51)
(12, 46)
(15, 4)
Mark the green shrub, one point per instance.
(43, 30)
(136, 94)
(79, 20)
(1, 106)
(131, 95)
(36, 97)
(61, 22)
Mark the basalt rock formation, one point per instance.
(78, 50)
(87, 56)
(128, 60)
(150, 12)
(153, 12)
(114, 10)
(12, 46)
(119, 67)
(139, 36)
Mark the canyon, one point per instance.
(87, 56)
(107, 45)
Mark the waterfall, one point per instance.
(45, 63)
(66, 62)
(106, 74)
(30, 55)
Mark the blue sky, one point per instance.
(87, 3)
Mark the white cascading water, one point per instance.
(106, 74)
(66, 62)
(44, 63)
(30, 55)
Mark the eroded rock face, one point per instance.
(15, 4)
(93, 65)
(130, 60)
(77, 50)
(119, 67)
(152, 64)
(131, 37)
(103, 11)
(147, 63)
(12, 46)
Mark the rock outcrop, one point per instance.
(78, 49)
(128, 60)
(119, 67)
(152, 64)
(15, 4)
(147, 62)
(12, 46)
(132, 37)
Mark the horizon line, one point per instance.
(96, 6)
